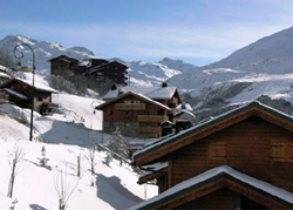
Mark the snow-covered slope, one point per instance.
(272, 54)
(34, 188)
(116, 186)
(148, 74)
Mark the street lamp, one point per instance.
(19, 54)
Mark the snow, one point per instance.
(116, 185)
(275, 86)
(40, 82)
(138, 95)
(15, 93)
(83, 109)
(147, 74)
(272, 55)
(162, 93)
(4, 75)
(44, 51)
(224, 169)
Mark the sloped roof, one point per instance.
(40, 83)
(145, 98)
(63, 57)
(96, 68)
(179, 140)
(209, 176)
(156, 94)
(15, 93)
(162, 93)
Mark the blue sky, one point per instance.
(197, 31)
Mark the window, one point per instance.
(217, 151)
(111, 112)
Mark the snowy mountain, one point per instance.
(141, 73)
(272, 54)
(150, 74)
(244, 75)
(261, 68)
(44, 51)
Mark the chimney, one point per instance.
(164, 84)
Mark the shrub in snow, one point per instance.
(44, 160)
(13, 203)
(119, 145)
(108, 159)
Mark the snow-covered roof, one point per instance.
(112, 94)
(184, 115)
(4, 75)
(162, 93)
(208, 175)
(156, 94)
(151, 172)
(199, 127)
(155, 166)
(145, 98)
(40, 83)
(15, 93)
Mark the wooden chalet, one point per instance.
(240, 160)
(166, 95)
(112, 70)
(135, 114)
(93, 67)
(63, 65)
(149, 121)
(21, 92)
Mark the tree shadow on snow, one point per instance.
(37, 207)
(110, 190)
(70, 133)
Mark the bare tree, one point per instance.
(91, 156)
(78, 165)
(64, 190)
(15, 157)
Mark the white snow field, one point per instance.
(116, 186)
(65, 135)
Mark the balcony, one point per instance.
(149, 129)
(152, 118)
(130, 106)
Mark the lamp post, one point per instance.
(19, 54)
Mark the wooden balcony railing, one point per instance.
(149, 129)
(134, 106)
(152, 118)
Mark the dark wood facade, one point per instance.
(135, 115)
(63, 65)
(255, 140)
(22, 95)
(93, 67)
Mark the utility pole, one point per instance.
(19, 54)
